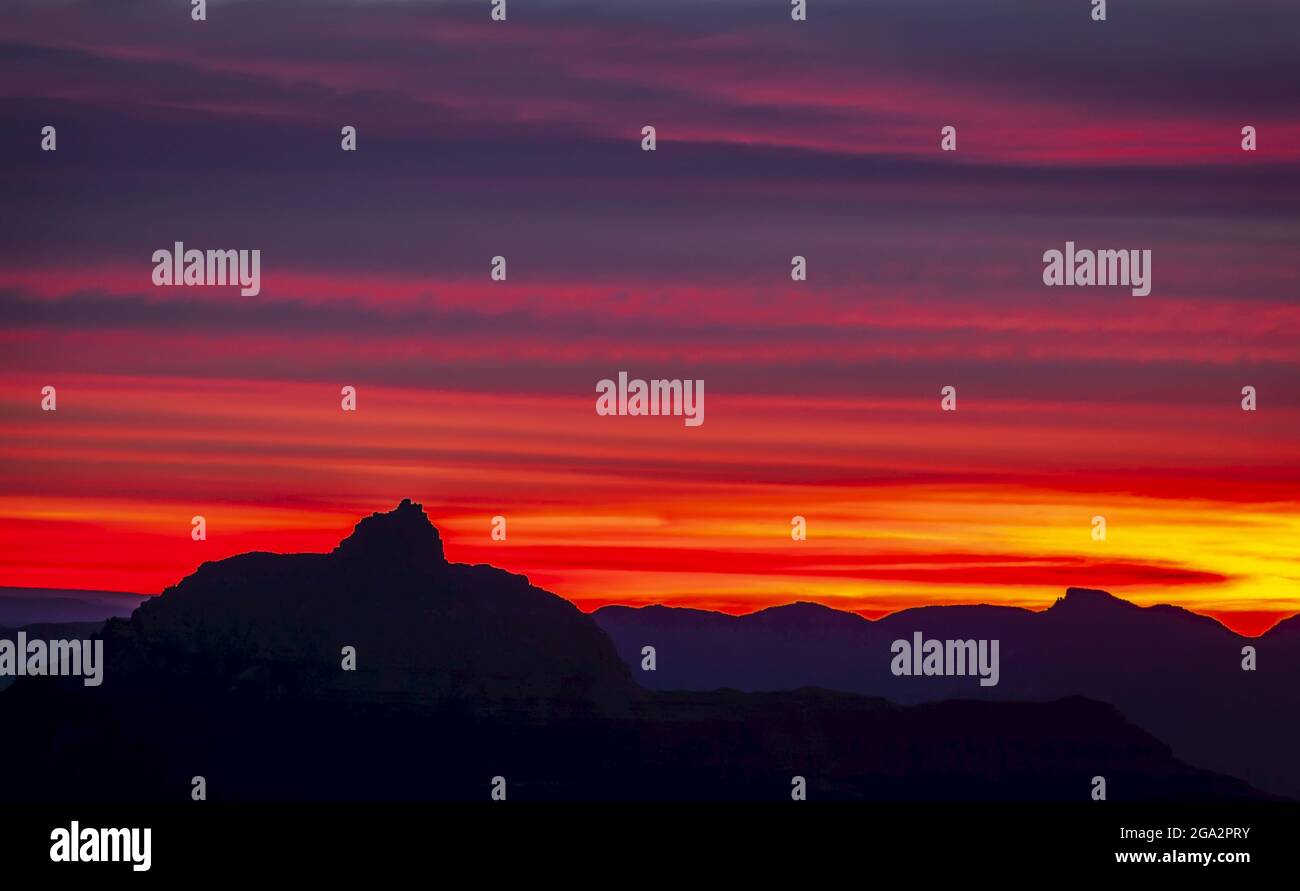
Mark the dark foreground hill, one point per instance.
(1172, 672)
(465, 673)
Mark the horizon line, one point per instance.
(668, 604)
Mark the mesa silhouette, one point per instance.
(465, 673)
(1174, 673)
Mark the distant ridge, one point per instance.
(1174, 672)
(1074, 597)
(27, 606)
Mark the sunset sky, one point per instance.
(822, 398)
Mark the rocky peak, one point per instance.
(402, 537)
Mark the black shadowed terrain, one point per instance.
(465, 673)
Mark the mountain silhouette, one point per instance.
(465, 673)
(1172, 672)
(421, 628)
